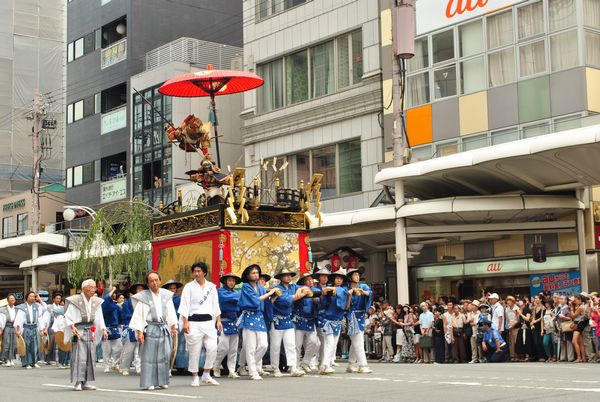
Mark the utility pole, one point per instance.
(37, 156)
(403, 45)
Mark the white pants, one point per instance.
(288, 337)
(321, 336)
(255, 345)
(194, 341)
(311, 346)
(336, 339)
(111, 352)
(129, 354)
(357, 350)
(329, 347)
(228, 345)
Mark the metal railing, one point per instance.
(194, 51)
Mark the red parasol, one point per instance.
(211, 83)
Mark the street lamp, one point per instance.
(69, 212)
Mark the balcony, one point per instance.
(113, 120)
(114, 54)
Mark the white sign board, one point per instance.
(435, 14)
(113, 190)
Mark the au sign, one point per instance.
(494, 267)
(436, 14)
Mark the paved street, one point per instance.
(502, 382)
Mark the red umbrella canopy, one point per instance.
(210, 82)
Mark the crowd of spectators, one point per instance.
(543, 328)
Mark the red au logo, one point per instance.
(494, 267)
(458, 7)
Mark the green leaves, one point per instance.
(117, 243)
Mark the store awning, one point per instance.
(556, 162)
(61, 260)
(15, 249)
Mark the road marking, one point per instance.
(459, 383)
(586, 381)
(123, 391)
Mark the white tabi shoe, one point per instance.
(124, 372)
(217, 373)
(150, 388)
(88, 387)
(233, 374)
(163, 386)
(327, 371)
(196, 381)
(351, 369)
(297, 373)
(77, 387)
(365, 370)
(256, 377)
(305, 367)
(242, 371)
(277, 374)
(209, 381)
(36, 365)
(107, 370)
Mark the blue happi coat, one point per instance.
(283, 306)
(305, 313)
(334, 309)
(358, 308)
(251, 309)
(228, 302)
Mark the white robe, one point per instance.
(21, 319)
(191, 298)
(141, 314)
(73, 316)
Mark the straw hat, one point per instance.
(21, 350)
(248, 269)
(476, 303)
(284, 271)
(230, 275)
(59, 339)
(171, 282)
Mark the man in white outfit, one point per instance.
(200, 318)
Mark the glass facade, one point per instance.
(152, 158)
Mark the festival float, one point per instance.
(235, 220)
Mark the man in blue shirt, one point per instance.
(493, 345)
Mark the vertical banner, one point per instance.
(567, 283)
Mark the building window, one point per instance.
(532, 58)
(82, 46)
(530, 20)
(562, 14)
(421, 58)
(296, 77)
(22, 224)
(563, 50)
(536, 130)
(418, 89)
(270, 96)
(152, 159)
(81, 109)
(444, 81)
(506, 135)
(474, 142)
(501, 67)
(592, 48)
(340, 165)
(567, 123)
(69, 177)
(113, 167)
(472, 75)
(78, 175)
(500, 30)
(317, 71)
(266, 8)
(446, 148)
(443, 46)
(471, 38)
(7, 230)
(421, 153)
(591, 13)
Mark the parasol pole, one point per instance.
(155, 109)
(213, 109)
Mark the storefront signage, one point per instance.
(436, 14)
(567, 283)
(495, 267)
(14, 205)
(113, 190)
(439, 271)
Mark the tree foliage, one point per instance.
(115, 244)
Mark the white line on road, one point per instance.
(149, 393)
(463, 383)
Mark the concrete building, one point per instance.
(484, 85)
(107, 42)
(32, 53)
(18, 244)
